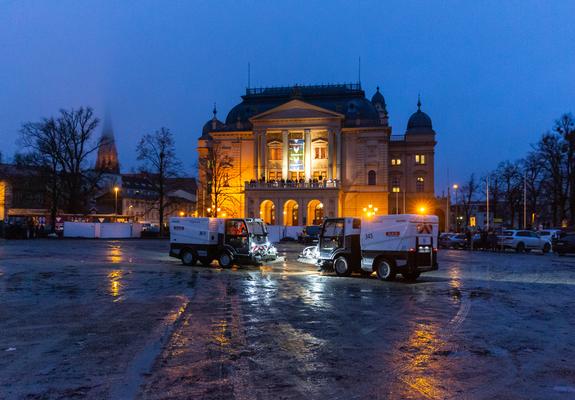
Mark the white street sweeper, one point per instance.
(228, 240)
(386, 244)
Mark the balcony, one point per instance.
(292, 185)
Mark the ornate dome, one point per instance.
(419, 121)
(362, 109)
(211, 125)
(378, 98)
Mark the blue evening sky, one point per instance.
(493, 75)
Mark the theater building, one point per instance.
(302, 153)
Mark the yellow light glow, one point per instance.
(364, 209)
(116, 189)
(115, 279)
(2, 200)
(219, 209)
(224, 215)
(456, 186)
(375, 209)
(182, 214)
(422, 209)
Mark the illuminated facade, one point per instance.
(304, 152)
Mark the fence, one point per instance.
(278, 232)
(94, 230)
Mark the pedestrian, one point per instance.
(484, 240)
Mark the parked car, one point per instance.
(150, 230)
(523, 241)
(479, 242)
(444, 240)
(550, 234)
(453, 241)
(565, 243)
(310, 234)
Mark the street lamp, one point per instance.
(370, 210)
(455, 187)
(116, 190)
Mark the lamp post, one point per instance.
(116, 190)
(455, 187)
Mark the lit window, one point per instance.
(420, 159)
(396, 161)
(419, 184)
(396, 189)
(319, 175)
(320, 153)
(275, 153)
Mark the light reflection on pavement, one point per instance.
(120, 319)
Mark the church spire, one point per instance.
(107, 160)
(418, 102)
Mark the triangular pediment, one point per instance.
(296, 109)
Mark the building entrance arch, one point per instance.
(268, 212)
(314, 212)
(290, 213)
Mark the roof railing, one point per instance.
(275, 90)
(289, 184)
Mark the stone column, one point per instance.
(263, 154)
(280, 220)
(256, 158)
(300, 212)
(285, 150)
(307, 155)
(339, 152)
(330, 154)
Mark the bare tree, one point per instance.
(552, 152)
(468, 191)
(565, 126)
(217, 171)
(157, 152)
(511, 182)
(533, 169)
(62, 147)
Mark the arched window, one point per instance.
(419, 184)
(371, 177)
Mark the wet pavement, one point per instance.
(121, 320)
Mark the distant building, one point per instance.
(473, 216)
(304, 152)
(137, 197)
(23, 192)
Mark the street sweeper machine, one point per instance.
(227, 240)
(386, 244)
